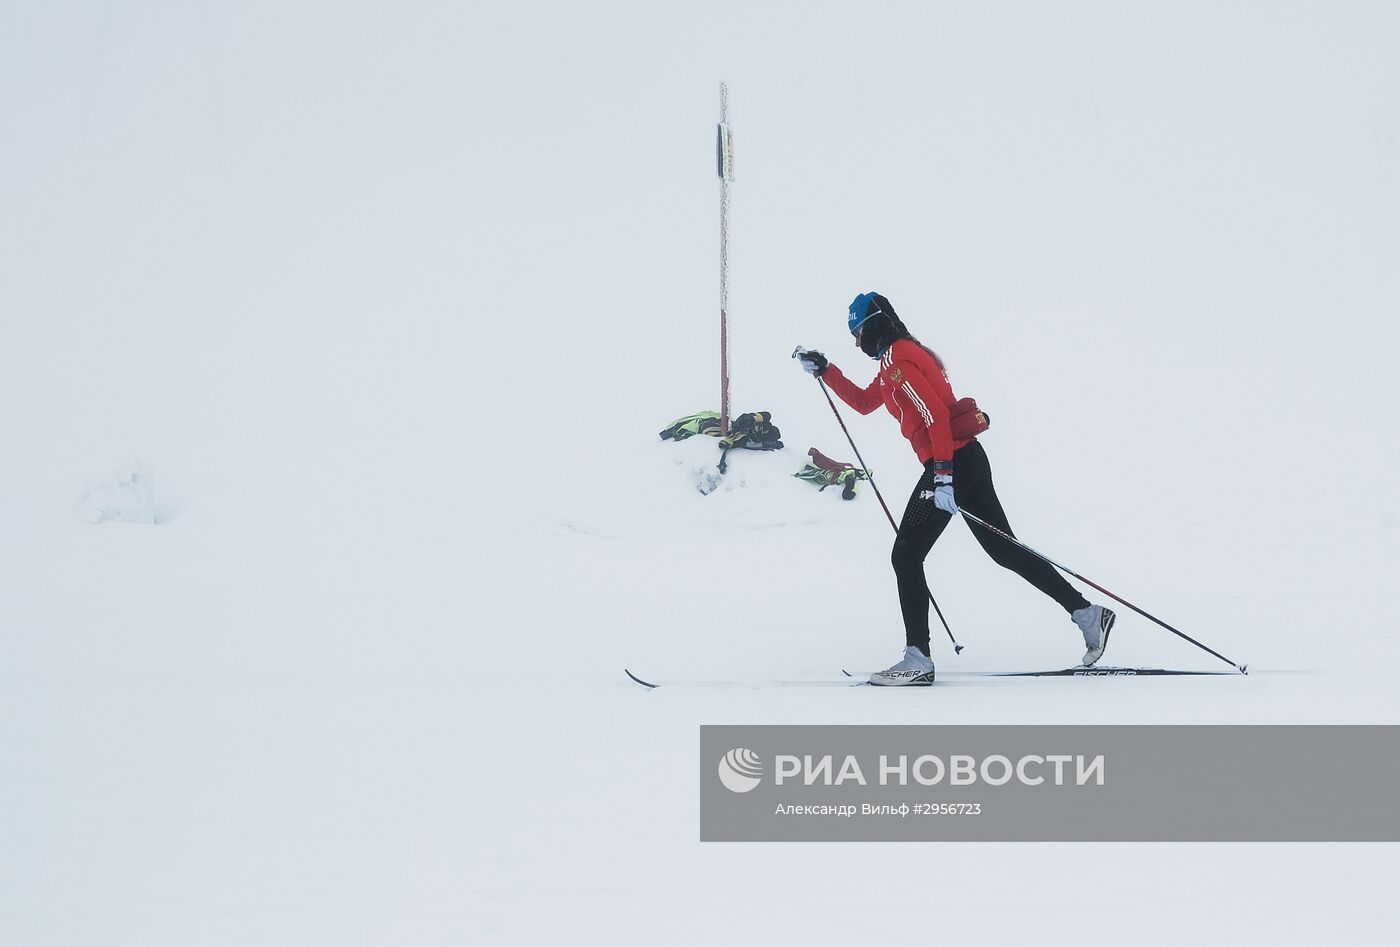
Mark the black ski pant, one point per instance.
(923, 523)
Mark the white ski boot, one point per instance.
(914, 669)
(1095, 622)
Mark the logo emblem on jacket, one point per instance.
(896, 375)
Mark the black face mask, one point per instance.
(876, 335)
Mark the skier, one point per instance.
(913, 386)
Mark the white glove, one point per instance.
(943, 498)
(814, 363)
(943, 487)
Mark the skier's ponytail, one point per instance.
(932, 354)
(898, 330)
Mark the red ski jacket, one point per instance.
(915, 390)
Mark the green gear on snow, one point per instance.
(751, 431)
(703, 422)
(849, 478)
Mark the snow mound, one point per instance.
(127, 495)
(676, 489)
(698, 459)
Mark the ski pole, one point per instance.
(957, 648)
(1242, 668)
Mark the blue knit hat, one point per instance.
(860, 310)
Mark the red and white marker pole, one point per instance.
(724, 155)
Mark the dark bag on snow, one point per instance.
(753, 431)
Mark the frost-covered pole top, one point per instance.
(725, 144)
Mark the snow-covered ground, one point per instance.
(334, 344)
